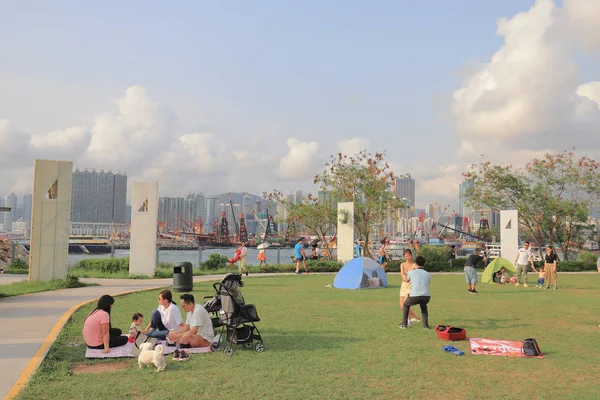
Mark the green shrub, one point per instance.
(109, 265)
(215, 261)
(587, 257)
(17, 266)
(575, 266)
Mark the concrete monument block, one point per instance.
(50, 220)
(144, 217)
(509, 234)
(345, 232)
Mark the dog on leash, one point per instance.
(150, 355)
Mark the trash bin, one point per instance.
(183, 277)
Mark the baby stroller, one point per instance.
(230, 312)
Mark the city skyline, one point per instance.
(265, 105)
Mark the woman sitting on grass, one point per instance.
(97, 332)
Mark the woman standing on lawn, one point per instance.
(97, 331)
(407, 266)
(550, 267)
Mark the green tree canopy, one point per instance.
(554, 196)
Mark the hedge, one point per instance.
(217, 264)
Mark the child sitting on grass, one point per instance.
(137, 321)
(541, 277)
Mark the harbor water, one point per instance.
(275, 255)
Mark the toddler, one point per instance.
(138, 320)
(541, 276)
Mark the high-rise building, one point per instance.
(10, 216)
(432, 210)
(99, 196)
(171, 211)
(212, 210)
(247, 205)
(298, 196)
(463, 209)
(27, 203)
(257, 207)
(404, 188)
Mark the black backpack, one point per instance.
(531, 348)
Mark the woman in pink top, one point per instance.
(97, 332)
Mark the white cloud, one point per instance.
(299, 161)
(353, 146)
(529, 90)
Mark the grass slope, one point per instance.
(339, 344)
(25, 287)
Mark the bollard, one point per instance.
(278, 260)
(112, 250)
(157, 253)
(13, 254)
(200, 256)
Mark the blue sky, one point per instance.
(256, 74)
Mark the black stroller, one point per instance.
(230, 312)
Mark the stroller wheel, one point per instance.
(229, 351)
(214, 346)
(248, 345)
(260, 347)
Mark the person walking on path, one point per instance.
(419, 293)
(242, 263)
(550, 267)
(470, 273)
(262, 257)
(523, 260)
(383, 254)
(407, 266)
(300, 255)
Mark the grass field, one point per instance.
(25, 287)
(337, 344)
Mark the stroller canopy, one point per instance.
(495, 266)
(360, 273)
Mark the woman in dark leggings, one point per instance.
(97, 331)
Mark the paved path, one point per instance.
(22, 341)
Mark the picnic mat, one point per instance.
(129, 350)
(507, 348)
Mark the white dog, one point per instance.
(154, 356)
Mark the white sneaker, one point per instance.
(525, 285)
(517, 285)
(408, 323)
(413, 319)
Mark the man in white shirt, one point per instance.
(198, 330)
(524, 258)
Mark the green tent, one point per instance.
(495, 266)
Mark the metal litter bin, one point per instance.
(183, 277)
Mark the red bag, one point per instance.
(450, 333)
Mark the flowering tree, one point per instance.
(318, 216)
(365, 180)
(554, 196)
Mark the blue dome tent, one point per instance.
(360, 273)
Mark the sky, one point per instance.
(211, 97)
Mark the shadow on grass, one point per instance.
(284, 341)
(492, 324)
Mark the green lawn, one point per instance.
(25, 287)
(324, 343)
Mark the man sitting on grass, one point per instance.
(419, 293)
(198, 329)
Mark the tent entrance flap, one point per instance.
(360, 273)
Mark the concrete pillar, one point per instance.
(50, 220)
(509, 234)
(345, 232)
(144, 217)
